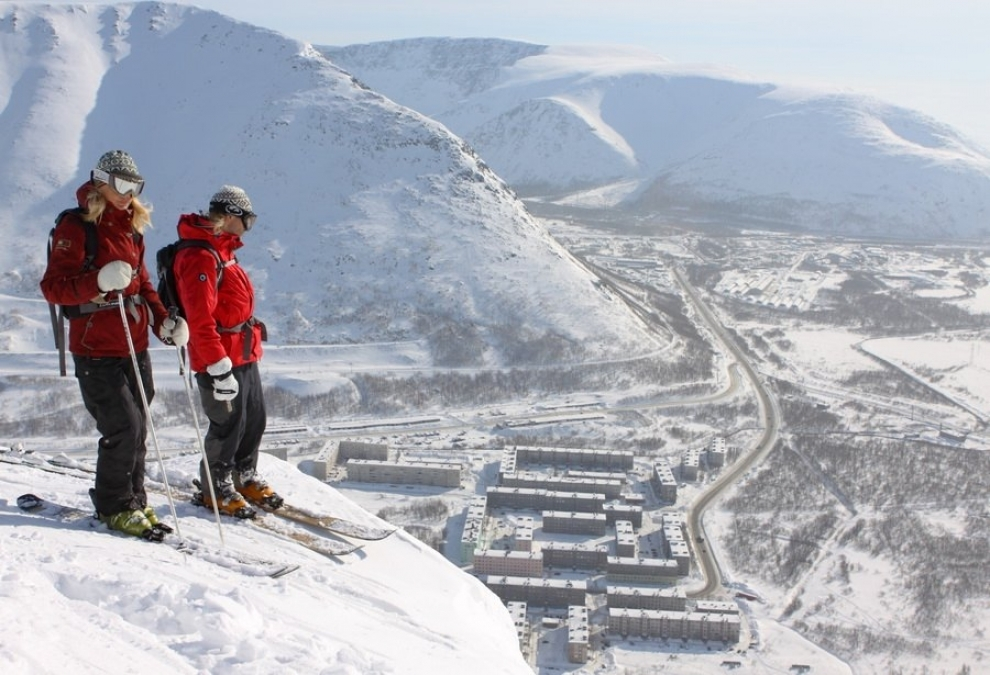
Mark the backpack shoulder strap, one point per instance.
(201, 243)
(92, 244)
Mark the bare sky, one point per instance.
(930, 55)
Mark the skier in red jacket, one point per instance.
(89, 291)
(224, 350)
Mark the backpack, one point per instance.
(59, 313)
(164, 260)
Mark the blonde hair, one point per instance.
(96, 204)
(216, 217)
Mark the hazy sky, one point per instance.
(930, 55)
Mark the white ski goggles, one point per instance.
(122, 186)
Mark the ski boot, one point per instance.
(257, 490)
(156, 524)
(229, 501)
(132, 522)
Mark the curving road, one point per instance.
(770, 419)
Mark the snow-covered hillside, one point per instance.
(376, 223)
(601, 127)
(77, 598)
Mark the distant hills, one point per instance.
(628, 131)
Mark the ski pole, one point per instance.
(147, 409)
(186, 377)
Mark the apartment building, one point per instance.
(570, 522)
(662, 480)
(639, 597)
(539, 592)
(578, 634)
(673, 624)
(443, 474)
(509, 563)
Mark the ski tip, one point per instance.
(29, 502)
(287, 569)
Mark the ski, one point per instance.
(332, 524)
(34, 461)
(331, 548)
(70, 515)
(245, 564)
(328, 523)
(327, 547)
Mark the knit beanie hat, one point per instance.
(232, 195)
(119, 163)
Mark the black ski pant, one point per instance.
(111, 395)
(233, 440)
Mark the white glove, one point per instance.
(174, 331)
(114, 276)
(225, 386)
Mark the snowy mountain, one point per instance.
(626, 130)
(376, 223)
(395, 606)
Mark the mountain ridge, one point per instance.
(376, 223)
(667, 140)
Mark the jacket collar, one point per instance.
(196, 226)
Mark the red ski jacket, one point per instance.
(221, 318)
(101, 333)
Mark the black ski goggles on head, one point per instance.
(121, 185)
(247, 217)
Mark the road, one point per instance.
(769, 412)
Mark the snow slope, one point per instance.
(376, 223)
(113, 603)
(565, 123)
